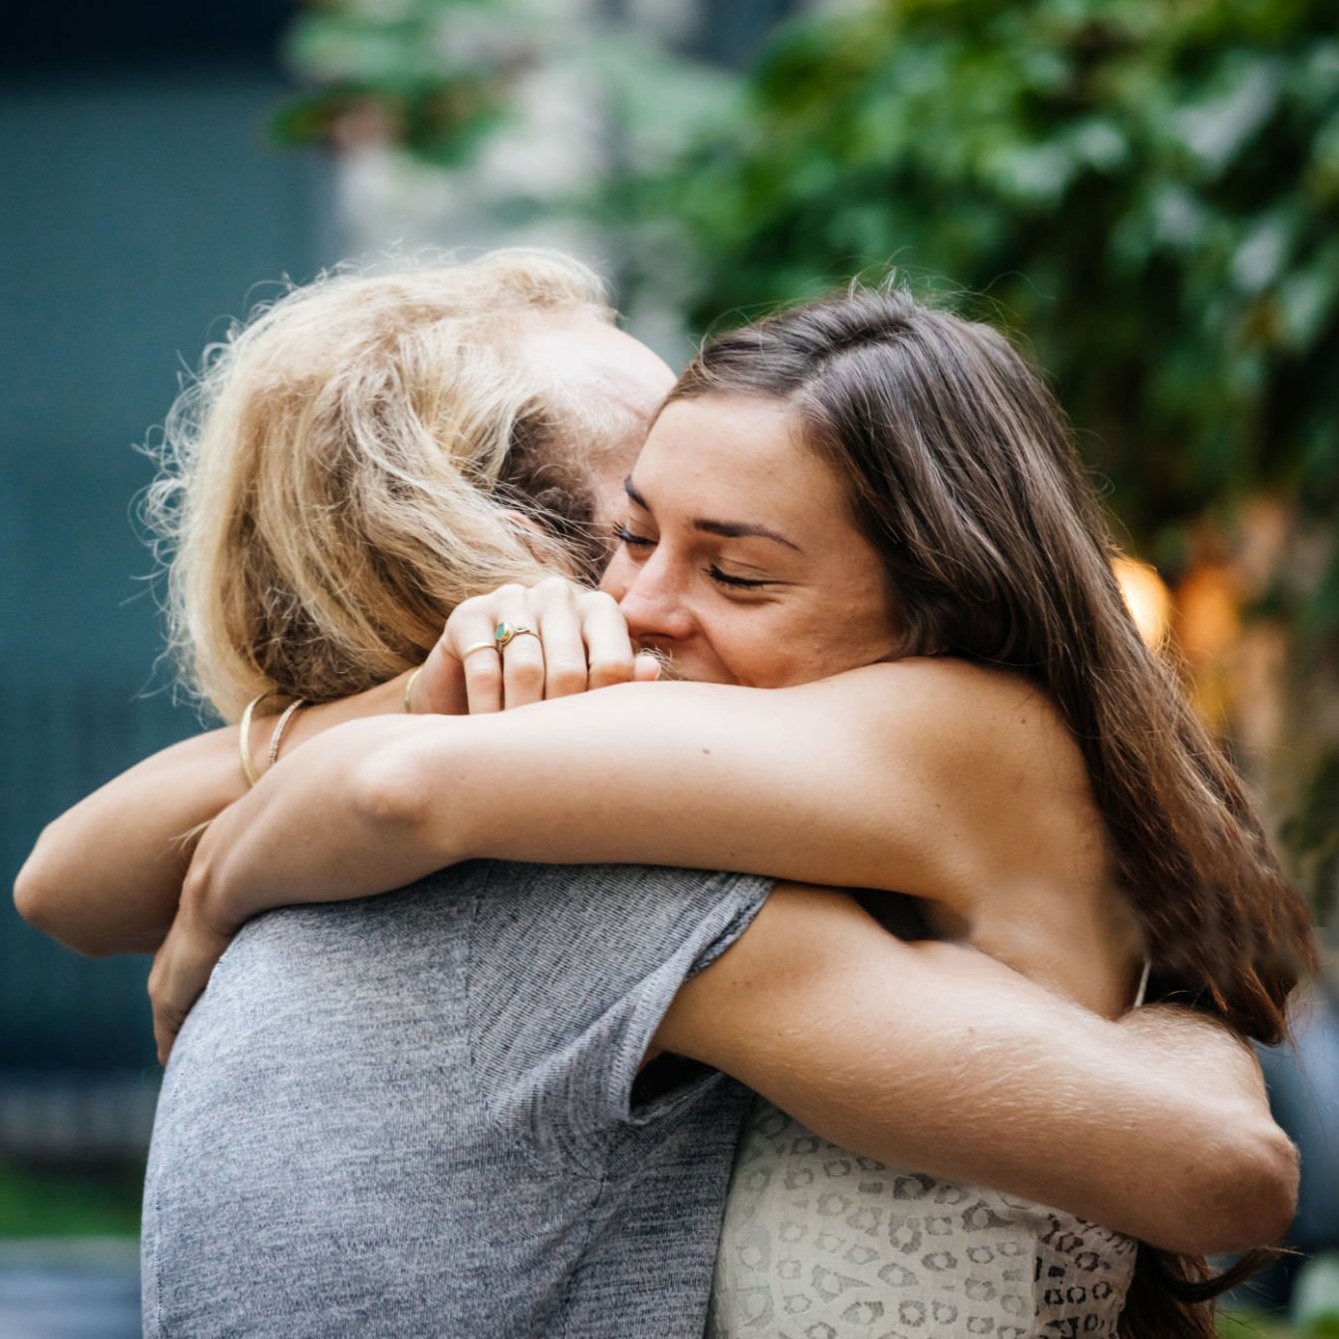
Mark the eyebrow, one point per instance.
(726, 529)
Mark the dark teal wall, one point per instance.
(135, 213)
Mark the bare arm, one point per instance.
(926, 1056)
(893, 777)
(105, 876)
(934, 1057)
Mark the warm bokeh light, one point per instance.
(1147, 598)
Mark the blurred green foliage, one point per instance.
(70, 1202)
(437, 77)
(1146, 190)
(1248, 1325)
(400, 72)
(1315, 1300)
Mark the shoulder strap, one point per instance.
(1143, 984)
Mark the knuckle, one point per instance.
(527, 673)
(481, 671)
(604, 672)
(569, 677)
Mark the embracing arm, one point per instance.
(106, 875)
(890, 777)
(934, 1057)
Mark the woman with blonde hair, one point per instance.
(333, 481)
(870, 763)
(364, 453)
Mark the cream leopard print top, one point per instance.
(818, 1243)
(821, 1244)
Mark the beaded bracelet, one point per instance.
(277, 737)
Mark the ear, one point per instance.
(532, 533)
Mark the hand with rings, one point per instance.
(523, 644)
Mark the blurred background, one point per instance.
(1144, 192)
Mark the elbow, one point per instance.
(1243, 1192)
(1258, 1199)
(395, 797)
(32, 892)
(388, 791)
(37, 898)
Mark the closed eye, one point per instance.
(625, 536)
(635, 541)
(738, 583)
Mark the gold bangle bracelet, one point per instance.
(244, 739)
(409, 690)
(277, 737)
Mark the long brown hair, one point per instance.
(963, 475)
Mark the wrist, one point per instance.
(201, 902)
(386, 699)
(210, 898)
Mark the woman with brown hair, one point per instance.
(879, 493)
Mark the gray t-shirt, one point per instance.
(415, 1115)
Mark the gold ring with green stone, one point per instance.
(504, 634)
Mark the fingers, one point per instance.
(468, 637)
(559, 626)
(440, 688)
(167, 1019)
(609, 650)
(165, 1034)
(580, 641)
(181, 971)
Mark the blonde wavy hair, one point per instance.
(339, 474)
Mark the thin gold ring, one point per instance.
(505, 633)
(477, 646)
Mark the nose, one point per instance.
(652, 600)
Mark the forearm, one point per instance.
(105, 877)
(306, 833)
(935, 1058)
(1075, 1113)
(794, 783)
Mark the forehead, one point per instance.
(595, 358)
(739, 458)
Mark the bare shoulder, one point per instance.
(966, 714)
(992, 769)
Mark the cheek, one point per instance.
(844, 632)
(762, 652)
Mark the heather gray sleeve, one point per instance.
(411, 1115)
(607, 948)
